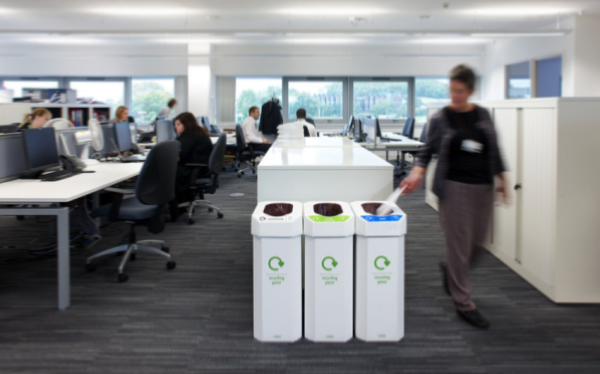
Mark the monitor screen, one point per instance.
(40, 148)
(165, 131)
(123, 136)
(348, 127)
(67, 144)
(9, 129)
(377, 128)
(369, 125)
(357, 128)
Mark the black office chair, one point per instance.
(306, 133)
(409, 128)
(422, 139)
(245, 156)
(311, 121)
(154, 189)
(208, 185)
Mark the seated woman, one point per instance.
(122, 115)
(36, 119)
(196, 147)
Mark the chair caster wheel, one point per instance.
(210, 210)
(20, 218)
(242, 173)
(239, 175)
(166, 249)
(123, 278)
(235, 169)
(191, 221)
(132, 257)
(90, 267)
(253, 171)
(220, 215)
(171, 265)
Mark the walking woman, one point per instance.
(464, 138)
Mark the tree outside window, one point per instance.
(254, 92)
(149, 96)
(430, 91)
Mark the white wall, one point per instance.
(579, 49)
(94, 61)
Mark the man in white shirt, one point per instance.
(166, 111)
(251, 133)
(301, 117)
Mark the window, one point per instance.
(519, 81)
(149, 96)
(549, 77)
(18, 85)
(251, 92)
(385, 100)
(107, 92)
(430, 91)
(321, 100)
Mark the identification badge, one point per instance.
(471, 146)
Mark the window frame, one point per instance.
(125, 80)
(386, 123)
(318, 121)
(58, 80)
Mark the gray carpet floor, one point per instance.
(197, 318)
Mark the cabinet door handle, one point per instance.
(517, 187)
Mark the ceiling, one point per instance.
(269, 21)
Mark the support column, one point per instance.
(200, 85)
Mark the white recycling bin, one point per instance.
(277, 231)
(379, 272)
(328, 269)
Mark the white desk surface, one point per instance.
(333, 142)
(69, 189)
(307, 158)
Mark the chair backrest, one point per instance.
(423, 137)
(215, 162)
(156, 182)
(306, 132)
(409, 128)
(311, 121)
(239, 138)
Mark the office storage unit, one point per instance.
(550, 232)
(77, 113)
(379, 274)
(277, 231)
(329, 257)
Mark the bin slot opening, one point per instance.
(328, 209)
(371, 208)
(278, 209)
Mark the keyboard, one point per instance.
(59, 175)
(134, 158)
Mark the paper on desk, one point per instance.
(384, 209)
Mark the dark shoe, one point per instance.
(474, 318)
(444, 270)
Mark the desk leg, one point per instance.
(64, 260)
(96, 204)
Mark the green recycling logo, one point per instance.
(280, 263)
(333, 263)
(386, 262)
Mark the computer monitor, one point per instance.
(358, 129)
(369, 126)
(110, 144)
(9, 129)
(67, 144)
(377, 128)
(409, 128)
(123, 136)
(40, 149)
(165, 131)
(348, 127)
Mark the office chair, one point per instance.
(422, 139)
(245, 153)
(154, 189)
(409, 128)
(311, 121)
(208, 185)
(306, 133)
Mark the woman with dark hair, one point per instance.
(196, 147)
(464, 138)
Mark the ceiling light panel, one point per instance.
(144, 12)
(516, 11)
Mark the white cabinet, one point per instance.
(550, 234)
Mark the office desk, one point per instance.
(323, 173)
(25, 192)
(322, 142)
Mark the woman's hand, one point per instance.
(502, 192)
(413, 181)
